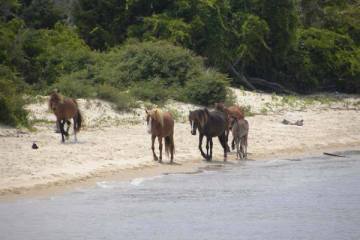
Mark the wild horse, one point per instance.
(161, 125)
(209, 124)
(65, 109)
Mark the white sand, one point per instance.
(112, 141)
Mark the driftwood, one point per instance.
(334, 155)
(241, 78)
(252, 81)
(276, 87)
(297, 123)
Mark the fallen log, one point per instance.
(241, 78)
(276, 87)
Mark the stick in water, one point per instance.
(334, 155)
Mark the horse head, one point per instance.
(198, 119)
(152, 117)
(55, 99)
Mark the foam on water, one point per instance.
(139, 181)
(106, 184)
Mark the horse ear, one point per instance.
(146, 111)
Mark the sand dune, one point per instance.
(112, 141)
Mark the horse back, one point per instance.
(67, 109)
(236, 111)
(217, 124)
(168, 127)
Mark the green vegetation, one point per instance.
(124, 51)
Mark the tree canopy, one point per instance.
(276, 45)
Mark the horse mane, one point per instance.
(55, 98)
(158, 115)
(203, 115)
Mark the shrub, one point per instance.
(73, 85)
(142, 62)
(330, 58)
(122, 100)
(207, 89)
(12, 105)
(51, 53)
(153, 91)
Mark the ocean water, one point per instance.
(310, 198)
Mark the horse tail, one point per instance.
(78, 121)
(169, 145)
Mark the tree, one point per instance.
(281, 17)
(102, 23)
(41, 14)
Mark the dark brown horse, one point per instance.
(161, 125)
(65, 109)
(209, 124)
(232, 112)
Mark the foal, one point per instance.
(65, 109)
(161, 125)
(240, 130)
(232, 112)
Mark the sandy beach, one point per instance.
(115, 143)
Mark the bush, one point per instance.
(143, 62)
(51, 53)
(331, 59)
(122, 100)
(12, 105)
(75, 86)
(153, 91)
(207, 89)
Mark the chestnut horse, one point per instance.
(161, 125)
(209, 124)
(232, 112)
(65, 109)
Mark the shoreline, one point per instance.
(115, 144)
(128, 174)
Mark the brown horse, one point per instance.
(232, 112)
(65, 109)
(209, 124)
(161, 125)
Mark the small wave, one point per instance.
(139, 181)
(105, 185)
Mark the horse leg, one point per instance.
(172, 149)
(245, 145)
(68, 126)
(238, 157)
(233, 143)
(75, 138)
(227, 133)
(222, 139)
(211, 147)
(241, 143)
(153, 147)
(61, 125)
(207, 147)
(160, 148)
(201, 136)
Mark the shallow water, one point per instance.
(312, 198)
